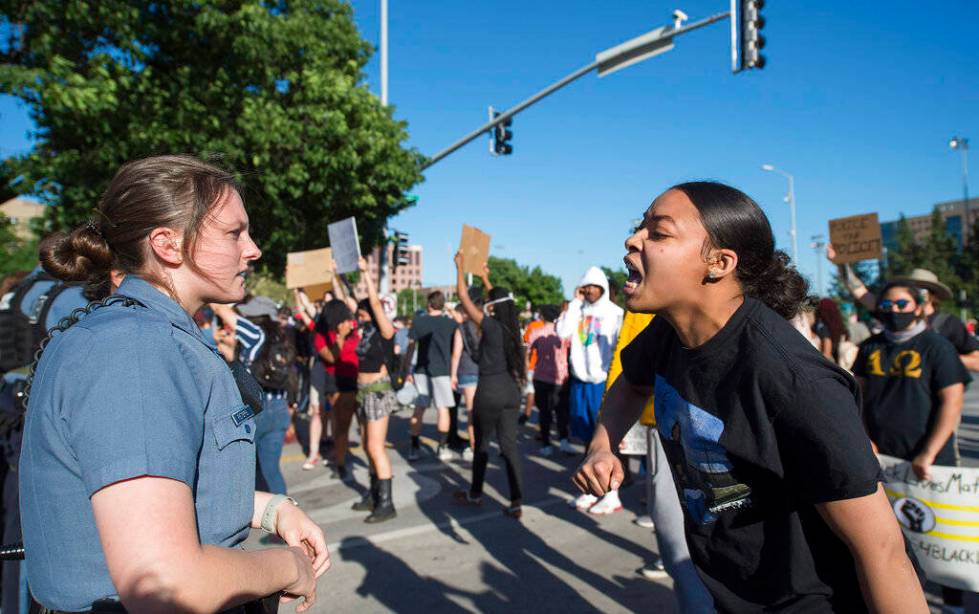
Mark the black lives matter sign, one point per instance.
(855, 238)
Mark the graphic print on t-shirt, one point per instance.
(702, 468)
(589, 328)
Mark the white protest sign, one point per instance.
(940, 518)
(345, 244)
(634, 441)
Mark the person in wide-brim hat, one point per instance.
(926, 280)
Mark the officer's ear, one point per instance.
(165, 244)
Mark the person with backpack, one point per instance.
(376, 399)
(268, 354)
(781, 493)
(138, 475)
(29, 307)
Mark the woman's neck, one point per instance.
(697, 324)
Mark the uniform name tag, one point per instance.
(242, 414)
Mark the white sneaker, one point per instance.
(609, 504)
(583, 502)
(546, 451)
(653, 571)
(445, 454)
(467, 454)
(565, 447)
(645, 522)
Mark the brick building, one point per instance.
(952, 212)
(401, 278)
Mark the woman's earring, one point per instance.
(711, 274)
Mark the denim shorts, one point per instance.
(468, 381)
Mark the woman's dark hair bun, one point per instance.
(81, 255)
(780, 287)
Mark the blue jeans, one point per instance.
(585, 401)
(663, 505)
(270, 434)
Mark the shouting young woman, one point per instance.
(781, 493)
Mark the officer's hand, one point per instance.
(305, 584)
(600, 472)
(295, 527)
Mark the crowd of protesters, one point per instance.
(761, 407)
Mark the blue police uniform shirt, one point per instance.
(67, 300)
(128, 392)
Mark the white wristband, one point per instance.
(271, 513)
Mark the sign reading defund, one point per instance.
(940, 518)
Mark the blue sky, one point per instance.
(858, 101)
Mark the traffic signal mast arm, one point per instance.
(630, 52)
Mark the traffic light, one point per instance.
(502, 134)
(746, 25)
(401, 255)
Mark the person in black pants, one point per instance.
(501, 378)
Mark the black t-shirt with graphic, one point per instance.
(902, 382)
(758, 427)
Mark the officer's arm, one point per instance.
(148, 531)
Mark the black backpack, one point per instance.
(21, 335)
(273, 366)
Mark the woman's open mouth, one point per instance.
(634, 278)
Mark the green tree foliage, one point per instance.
(616, 281)
(409, 301)
(272, 89)
(16, 254)
(526, 284)
(909, 254)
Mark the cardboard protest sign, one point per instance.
(345, 244)
(475, 245)
(310, 270)
(855, 238)
(940, 518)
(634, 441)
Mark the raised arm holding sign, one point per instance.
(345, 244)
(474, 246)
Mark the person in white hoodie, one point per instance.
(592, 323)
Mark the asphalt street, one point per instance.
(439, 557)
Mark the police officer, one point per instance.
(138, 466)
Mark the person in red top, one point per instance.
(336, 342)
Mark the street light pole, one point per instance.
(819, 245)
(384, 52)
(791, 200)
(962, 144)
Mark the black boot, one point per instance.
(383, 505)
(366, 504)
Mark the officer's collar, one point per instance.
(138, 288)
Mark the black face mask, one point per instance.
(896, 321)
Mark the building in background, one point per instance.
(403, 277)
(21, 212)
(953, 214)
